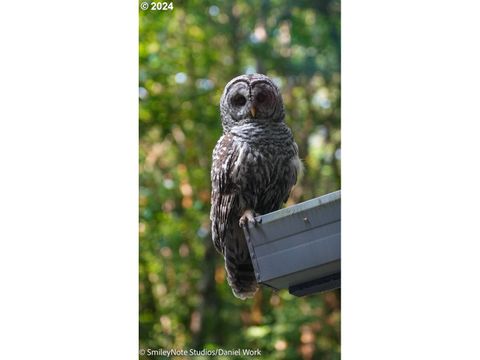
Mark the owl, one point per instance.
(255, 164)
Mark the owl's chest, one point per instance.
(256, 162)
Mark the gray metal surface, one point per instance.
(298, 246)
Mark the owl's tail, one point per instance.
(240, 272)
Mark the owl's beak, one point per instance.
(253, 111)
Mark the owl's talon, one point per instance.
(248, 217)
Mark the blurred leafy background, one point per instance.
(186, 57)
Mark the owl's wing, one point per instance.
(224, 191)
(295, 170)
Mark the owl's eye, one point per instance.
(261, 97)
(239, 100)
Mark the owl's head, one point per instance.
(249, 99)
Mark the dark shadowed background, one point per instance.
(186, 57)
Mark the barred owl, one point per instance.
(255, 164)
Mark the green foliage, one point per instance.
(186, 57)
